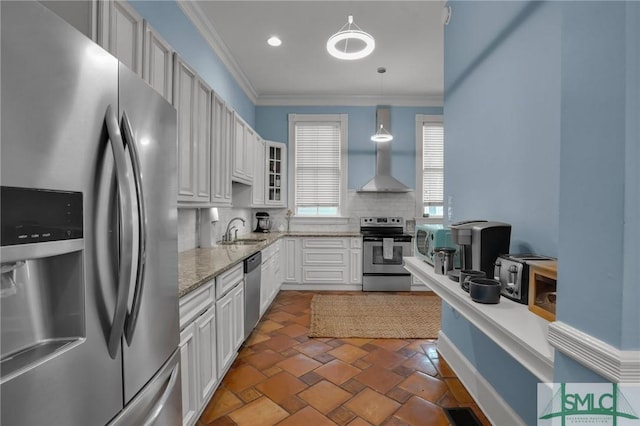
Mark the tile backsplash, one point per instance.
(358, 205)
(189, 229)
(380, 204)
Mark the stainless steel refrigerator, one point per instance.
(89, 298)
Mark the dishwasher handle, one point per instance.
(252, 262)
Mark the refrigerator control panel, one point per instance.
(32, 215)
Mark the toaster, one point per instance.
(430, 236)
(512, 270)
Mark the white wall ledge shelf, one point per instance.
(511, 325)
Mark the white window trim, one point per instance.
(420, 120)
(344, 126)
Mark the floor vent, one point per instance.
(463, 416)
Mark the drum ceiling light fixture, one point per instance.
(338, 44)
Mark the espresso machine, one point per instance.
(263, 222)
(481, 242)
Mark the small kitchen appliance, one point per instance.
(444, 260)
(430, 236)
(263, 222)
(512, 270)
(481, 242)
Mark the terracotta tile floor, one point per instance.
(283, 377)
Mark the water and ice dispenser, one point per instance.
(42, 279)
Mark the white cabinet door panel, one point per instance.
(220, 154)
(184, 100)
(203, 141)
(157, 66)
(121, 32)
(189, 374)
(225, 329)
(324, 257)
(207, 356)
(292, 260)
(238, 315)
(337, 275)
(325, 243)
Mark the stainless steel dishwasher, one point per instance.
(251, 292)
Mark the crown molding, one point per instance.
(349, 100)
(195, 14)
(617, 365)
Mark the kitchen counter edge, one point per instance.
(198, 266)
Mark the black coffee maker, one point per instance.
(481, 242)
(263, 223)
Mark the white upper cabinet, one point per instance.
(259, 163)
(192, 100)
(242, 155)
(203, 141)
(157, 63)
(275, 178)
(221, 153)
(120, 32)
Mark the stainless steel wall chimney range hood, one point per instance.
(383, 181)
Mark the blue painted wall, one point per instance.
(594, 178)
(272, 124)
(502, 148)
(516, 385)
(167, 18)
(556, 128)
(502, 118)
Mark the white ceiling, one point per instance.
(409, 44)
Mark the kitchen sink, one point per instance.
(244, 241)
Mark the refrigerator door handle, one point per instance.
(125, 231)
(132, 317)
(159, 406)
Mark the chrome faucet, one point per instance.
(227, 233)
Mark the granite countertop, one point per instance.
(198, 266)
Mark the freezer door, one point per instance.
(149, 129)
(160, 401)
(56, 87)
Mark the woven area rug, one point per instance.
(375, 316)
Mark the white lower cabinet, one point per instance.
(271, 277)
(292, 260)
(197, 351)
(225, 331)
(212, 331)
(355, 261)
(237, 297)
(230, 312)
(189, 370)
(323, 261)
(207, 354)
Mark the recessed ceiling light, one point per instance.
(274, 41)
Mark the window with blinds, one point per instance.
(432, 168)
(317, 168)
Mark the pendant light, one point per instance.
(382, 135)
(350, 34)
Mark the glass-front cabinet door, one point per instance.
(276, 177)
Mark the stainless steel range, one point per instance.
(384, 245)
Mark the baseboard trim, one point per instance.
(493, 406)
(614, 364)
